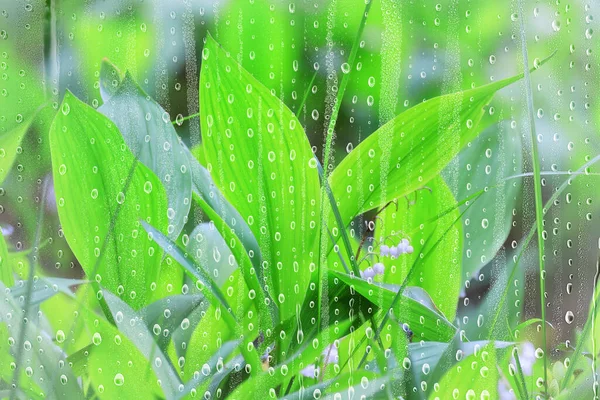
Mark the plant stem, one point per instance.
(327, 152)
(537, 184)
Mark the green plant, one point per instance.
(276, 293)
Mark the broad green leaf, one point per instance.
(110, 361)
(147, 130)
(133, 326)
(414, 308)
(205, 187)
(43, 364)
(102, 193)
(44, 288)
(487, 161)
(408, 151)
(474, 377)
(230, 311)
(9, 145)
(173, 314)
(215, 369)
(209, 248)
(6, 269)
(356, 385)
(437, 243)
(260, 158)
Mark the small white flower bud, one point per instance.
(384, 250)
(395, 251)
(410, 250)
(379, 268)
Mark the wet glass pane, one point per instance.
(338, 199)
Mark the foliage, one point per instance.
(240, 268)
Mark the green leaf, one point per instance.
(102, 193)
(133, 327)
(45, 288)
(488, 160)
(110, 79)
(476, 376)
(408, 151)
(205, 187)
(210, 250)
(6, 270)
(110, 361)
(49, 369)
(181, 310)
(214, 294)
(437, 243)
(147, 130)
(260, 158)
(223, 310)
(9, 143)
(414, 308)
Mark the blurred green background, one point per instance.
(409, 51)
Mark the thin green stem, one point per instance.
(340, 94)
(529, 237)
(179, 122)
(537, 184)
(308, 89)
(589, 326)
(327, 152)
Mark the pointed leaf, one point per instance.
(260, 157)
(437, 243)
(408, 151)
(147, 130)
(102, 192)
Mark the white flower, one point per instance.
(379, 268)
(505, 392)
(384, 250)
(331, 354)
(312, 371)
(410, 249)
(367, 273)
(395, 251)
(7, 230)
(526, 358)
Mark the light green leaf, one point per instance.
(9, 143)
(260, 158)
(182, 317)
(133, 326)
(110, 79)
(6, 270)
(147, 130)
(205, 187)
(111, 363)
(209, 248)
(437, 243)
(488, 160)
(102, 193)
(49, 369)
(408, 151)
(476, 376)
(414, 308)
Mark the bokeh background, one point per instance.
(410, 51)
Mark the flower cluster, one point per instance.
(395, 251)
(378, 268)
